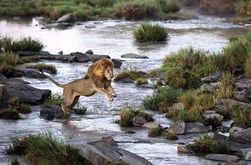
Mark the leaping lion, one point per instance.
(97, 79)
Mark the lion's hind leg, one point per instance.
(69, 101)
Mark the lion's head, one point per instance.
(101, 69)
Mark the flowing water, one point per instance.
(113, 38)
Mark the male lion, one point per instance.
(97, 79)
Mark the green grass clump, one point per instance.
(128, 113)
(170, 134)
(134, 75)
(141, 81)
(155, 131)
(186, 115)
(23, 44)
(45, 149)
(242, 117)
(54, 99)
(162, 99)
(45, 67)
(226, 88)
(248, 68)
(8, 61)
(11, 114)
(207, 144)
(150, 32)
(169, 6)
(23, 108)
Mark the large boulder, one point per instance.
(196, 128)
(241, 136)
(117, 63)
(106, 153)
(178, 127)
(65, 18)
(33, 73)
(80, 57)
(229, 105)
(246, 153)
(212, 118)
(24, 93)
(132, 55)
(95, 57)
(151, 125)
(210, 88)
(222, 157)
(51, 112)
(2, 77)
(138, 121)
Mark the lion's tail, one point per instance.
(56, 83)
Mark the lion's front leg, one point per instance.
(105, 93)
(111, 90)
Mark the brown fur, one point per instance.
(97, 79)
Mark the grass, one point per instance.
(186, 115)
(29, 59)
(22, 44)
(206, 144)
(248, 67)
(150, 32)
(133, 75)
(243, 8)
(46, 149)
(155, 131)
(162, 99)
(141, 81)
(226, 88)
(45, 67)
(128, 113)
(54, 99)
(170, 134)
(169, 6)
(10, 114)
(242, 117)
(23, 108)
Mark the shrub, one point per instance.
(248, 68)
(23, 108)
(188, 98)
(226, 88)
(134, 75)
(141, 81)
(207, 144)
(243, 8)
(45, 149)
(45, 67)
(8, 59)
(186, 115)
(155, 131)
(128, 113)
(242, 117)
(170, 134)
(162, 99)
(150, 32)
(55, 99)
(11, 114)
(169, 6)
(205, 101)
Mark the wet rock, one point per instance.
(2, 77)
(170, 134)
(101, 152)
(117, 63)
(80, 57)
(222, 157)
(236, 163)
(138, 121)
(196, 128)
(229, 105)
(178, 127)
(247, 94)
(65, 18)
(25, 93)
(90, 26)
(235, 130)
(32, 73)
(212, 118)
(130, 132)
(51, 112)
(246, 153)
(241, 136)
(58, 25)
(243, 85)
(242, 96)
(132, 55)
(89, 52)
(151, 125)
(210, 88)
(212, 78)
(63, 58)
(109, 140)
(183, 149)
(95, 57)
(126, 80)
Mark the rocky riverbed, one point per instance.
(113, 38)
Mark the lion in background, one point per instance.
(97, 79)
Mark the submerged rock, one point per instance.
(222, 157)
(132, 55)
(51, 112)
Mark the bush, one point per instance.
(55, 99)
(243, 8)
(150, 32)
(170, 134)
(188, 99)
(186, 115)
(8, 59)
(207, 144)
(11, 114)
(45, 67)
(128, 113)
(155, 131)
(141, 81)
(248, 68)
(45, 149)
(23, 44)
(169, 6)
(226, 88)
(134, 75)
(162, 99)
(242, 117)
(23, 108)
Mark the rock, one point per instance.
(229, 105)
(58, 25)
(213, 77)
(177, 106)
(247, 95)
(241, 136)
(89, 52)
(151, 125)
(90, 26)
(126, 80)
(117, 63)
(51, 112)
(183, 149)
(170, 134)
(2, 77)
(242, 86)
(25, 93)
(80, 57)
(63, 58)
(109, 140)
(196, 128)
(212, 118)
(242, 96)
(95, 57)
(235, 130)
(236, 163)
(101, 152)
(138, 121)
(65, 18)
(178, 127)
(2, 87)
(132, 55)
(210, 88)
(32, 73)
(246, 153)
(222, 157)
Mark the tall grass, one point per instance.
(169, 6)
(248, 67)
(242, 117)
(150, 32)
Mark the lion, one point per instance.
(97, 80)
